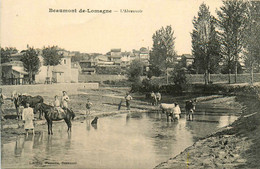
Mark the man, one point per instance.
(65, 99)
(153, 97)
(127, 99)
(2, 97)
(88, 106)
(158, 98)
(28, 117)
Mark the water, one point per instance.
(123, 141)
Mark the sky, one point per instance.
(30, 22)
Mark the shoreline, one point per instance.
(226, 148)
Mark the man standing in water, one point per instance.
(28, 117)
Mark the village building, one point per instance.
(64, 72)
(13, 72)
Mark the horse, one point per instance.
(169, 110)
(33, 101)
(190, 108)
(14, 99)
(51, 114)
(23, 99)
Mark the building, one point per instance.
(13, 73)
(64, 72)
(115, 55)
(189, 59)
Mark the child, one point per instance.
(88, 106)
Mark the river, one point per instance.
(133, 140)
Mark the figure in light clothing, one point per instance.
(28, 117)
(158, 98)
(128, 97)
(57, 105)
(153, 97)
(176, 111)
(65, 99)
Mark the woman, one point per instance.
(65, 99)
(28, 117)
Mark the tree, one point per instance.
(31, 62)
(232, 22)
(205, 43)
(6, 53)
(135, 71)
(163, 53)
(252, 45)
(50, 57)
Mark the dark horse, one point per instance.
(33, 101)
(51, 114)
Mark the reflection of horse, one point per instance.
(53, 115)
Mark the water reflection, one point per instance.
(226, 120)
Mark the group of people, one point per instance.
(156, 98)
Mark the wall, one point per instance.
(99, 78)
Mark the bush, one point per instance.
(179, 77)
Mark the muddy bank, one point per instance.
(235, 146)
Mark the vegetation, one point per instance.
(232, 22)
(50, 57)
(205, 43)
(163, 53)
(31, 62)
(252, 46)
(6, 53)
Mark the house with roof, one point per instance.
(64, 72)
(115, 56)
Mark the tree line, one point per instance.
(218, 43)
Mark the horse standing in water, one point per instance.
(53, 115)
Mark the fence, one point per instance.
(222, 78)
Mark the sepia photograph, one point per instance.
(120, 84)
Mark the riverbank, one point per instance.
(235, 146)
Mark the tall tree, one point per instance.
(252, 45)
(31, 62)
(163, 52)
(51, 57)
(232, 21)
(205, 42)
(6, 53)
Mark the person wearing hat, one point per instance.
(28, 117)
